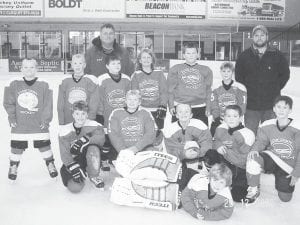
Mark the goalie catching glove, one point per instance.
(161, 112)
(76, 172)
(79, 145)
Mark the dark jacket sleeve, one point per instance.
(283, 71)
(239, 71)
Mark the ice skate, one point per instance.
(12, 173)
(51, 169)
(253, 193)
(98, 182)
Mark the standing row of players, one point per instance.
(28, 102)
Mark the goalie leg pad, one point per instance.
(125, 163)
(124, 192)
(167, 163)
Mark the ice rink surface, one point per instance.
(36, 199)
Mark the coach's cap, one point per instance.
(260, 27)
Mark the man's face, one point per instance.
(80, 117)
(190, 55)
(107, 35)
(78, 65)
(28, 69)
(114, 67)
(260, 39)
(232, 118)
(282, 110)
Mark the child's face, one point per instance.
(282, 110)
(183, 113)
(80, 117)
(78, 66)
(132, 102)
(217, 184)
(146, 59)
(232, 118)
(28, 69)
(114, 66)
(226, 74)
(190, 55)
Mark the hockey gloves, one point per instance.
(78, 146)
(76, 172)
(161, 112)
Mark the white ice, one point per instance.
(36, 199)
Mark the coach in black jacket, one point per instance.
(264, 71)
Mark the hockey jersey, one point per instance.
(111, 94)
(189, 84)
(131, 129)
(71, 90)
(176, 137)
(153, 88)
(220, 98)
(280, 143)
(195, 200)
(238, 144)
(68, 135)
(29, 105)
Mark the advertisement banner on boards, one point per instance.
(44, 65)
(182, 9)
(21, 8)
(85, 8)
(261, 10)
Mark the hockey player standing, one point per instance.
(79, 87)
(79, 144)
(233, 141)
(148, 176)
(229, 93)
(152, 85)
(28, 102)
(276, 151)
(209, 198)
(190, 83)
(112, 90)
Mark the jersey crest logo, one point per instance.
(283, 148)
(77, 94)
(28, 99)
(116, 98)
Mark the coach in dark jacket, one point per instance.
(264, 71)
(104, 45)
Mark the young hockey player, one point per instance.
(209, 198)
(190, 83)
(148, 176)
(229, 93)
(112, 90)
(28, 103)
(233, 141)
(79, 87)
(79, 144)
(276, 151)
(152, 85)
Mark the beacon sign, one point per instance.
(65, 3)
(84, 8)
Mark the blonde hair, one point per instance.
(78, 56)
(221, 171)
(135, 92)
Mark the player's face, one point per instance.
(132, 102)
(78, 66)
(190, 55)
(226, 74)
(260, 38)
(183, 113)
(80, 117)
(28, 69)
(107, 35)
(282, 110)
(146, 59)
(217, 184)
(114, 66)
(232, 118)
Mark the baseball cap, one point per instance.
(260, 27)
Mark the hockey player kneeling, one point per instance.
(146, 174)
(79, 144)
